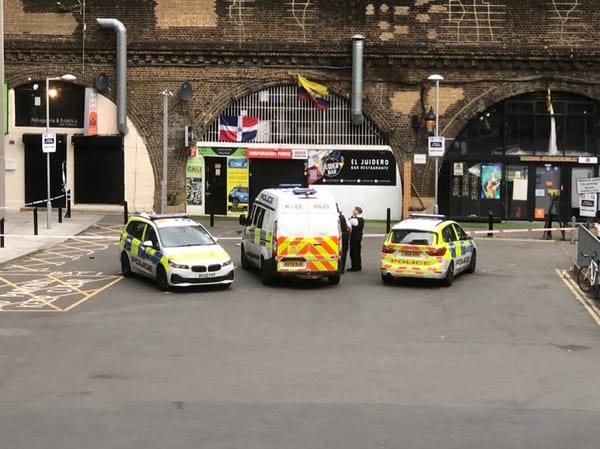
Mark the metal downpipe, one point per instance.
(121, 70)
(357, 79)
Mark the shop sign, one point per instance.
(588, 185)
(548, 158)
(588, 204)
(587, 160)
(436, 146)
(359, 167)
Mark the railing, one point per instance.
(588, 243)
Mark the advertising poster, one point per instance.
(491, 180)
(358, 167)
(193, 181)
(237, 185)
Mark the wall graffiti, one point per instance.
(475, 20)
(567, 15)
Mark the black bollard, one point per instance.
(388, 220)
(490, 223)
(60, 214)
(68, 212)
(1, 232)
(125, 212)
(35, 221)
(212, 220)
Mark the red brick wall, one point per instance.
(228, 49)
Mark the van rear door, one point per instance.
(308, 237)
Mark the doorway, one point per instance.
(215, 185)
(36, 187)
(98, 169)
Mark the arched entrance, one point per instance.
(520, 158)
(277, 138)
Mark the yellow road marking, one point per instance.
(81, 301)
(26, 293)
(587, 303)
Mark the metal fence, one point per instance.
(286, 119)
(588, 243)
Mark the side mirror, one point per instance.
(243, 220)
(148, 243)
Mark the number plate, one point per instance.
(211, 274)
(410, 253)
(294, 264)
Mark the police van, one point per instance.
(292, 232)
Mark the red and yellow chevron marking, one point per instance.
(320, 253)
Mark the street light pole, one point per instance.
(66, 77)
(163, 200)
(437, 79)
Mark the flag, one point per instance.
(317, 93)
(240, 128)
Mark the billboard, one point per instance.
(354, 167)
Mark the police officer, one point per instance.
(358, 223)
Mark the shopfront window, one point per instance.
(516, 192)
(539, 123)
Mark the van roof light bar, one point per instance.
(304, 191)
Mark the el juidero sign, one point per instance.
(358, 167)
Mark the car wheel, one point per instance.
(473, 263)
(125, 266)
(244, 259)
(266, 274)
(449, 279)
(334, 279)
(386, 279)
(161, 279)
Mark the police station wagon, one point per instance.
(427, 246)
(174, 250)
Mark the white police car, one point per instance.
(174, 250)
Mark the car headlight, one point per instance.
(227, 262)
(179, 265)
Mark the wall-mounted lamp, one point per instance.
(430, 122)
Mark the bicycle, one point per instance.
(587, 276)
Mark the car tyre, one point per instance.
(472, 263)
(125, 266)
(334, 279)
(244, 259)
(449, 279)
(266, 274)
(161, 279)
(388, 280)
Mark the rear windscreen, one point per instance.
(413, 237)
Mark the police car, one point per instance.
(174, 250)
(427, 246)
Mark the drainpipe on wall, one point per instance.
(357, 79)
(121, 31)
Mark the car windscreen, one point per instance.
(413, 237)
(173, 236)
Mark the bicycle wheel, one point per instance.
(583, 280)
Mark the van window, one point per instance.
(259, 217)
